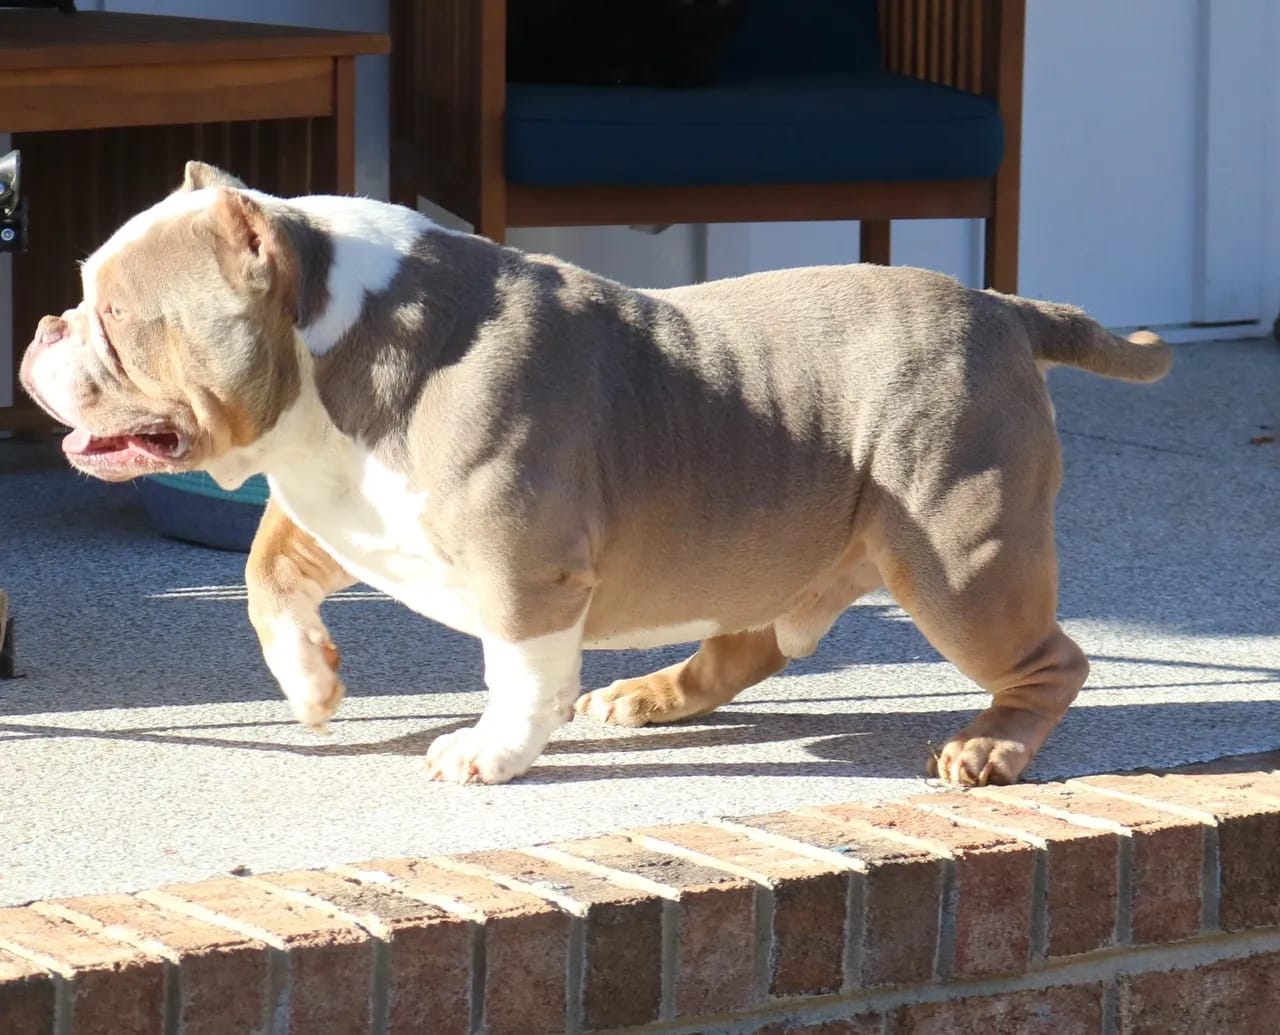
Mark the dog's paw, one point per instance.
(634, 702)
(993, 749)
(305, 662)
(474, 755)
(979, 761)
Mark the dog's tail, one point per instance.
(1067, 335)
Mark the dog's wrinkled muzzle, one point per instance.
(50, 367)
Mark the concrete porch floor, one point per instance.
(147, 742)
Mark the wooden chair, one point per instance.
(925, 124)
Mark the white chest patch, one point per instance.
(371, 520)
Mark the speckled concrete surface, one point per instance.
(147, 743)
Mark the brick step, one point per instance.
(1133, 902)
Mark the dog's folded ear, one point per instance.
(247, 245)
(199, 175)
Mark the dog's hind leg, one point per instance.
(979, 576)
(288, 575)
(722, 667)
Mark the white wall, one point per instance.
(659, 260)
(1109, 157)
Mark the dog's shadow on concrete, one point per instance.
(1092, 738)
(826, 745)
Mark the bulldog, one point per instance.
(552, 462)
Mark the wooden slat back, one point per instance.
(942, 41)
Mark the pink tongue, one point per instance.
(77, 442)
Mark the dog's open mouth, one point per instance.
(157, 447)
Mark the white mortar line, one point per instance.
(379, 931)
(944, 949)
(574, 988)
(1211, 881)
(277, 950)
(1124, 865)
(64, 1001)
(118, 933)
(624, 879)
(763, 957)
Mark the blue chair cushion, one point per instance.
(854, 127)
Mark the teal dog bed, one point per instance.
(192, 508)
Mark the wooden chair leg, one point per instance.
(874, 241)
(344, 124)
(492, 226)
(1001, 252)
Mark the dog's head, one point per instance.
(183, 347)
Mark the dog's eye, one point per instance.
(116, 312)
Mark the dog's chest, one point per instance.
(371, 520)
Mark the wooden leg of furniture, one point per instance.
(1001, 253)
(333, 152)
(492, 224)
(874, 241)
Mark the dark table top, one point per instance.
(34, 39)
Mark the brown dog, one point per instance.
(552, 462)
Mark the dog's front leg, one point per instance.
(532, 683)
(288, 576)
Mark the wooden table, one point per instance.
(106, 108)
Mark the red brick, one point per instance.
(114, 987)
(1082, 868)
(526, 941)
(329, 961)
(994, 883)
(863, 1024)
(1262, 787)
(1247, 829)
(1261, 762)
(901, 893)
(1241, 996)
(716, 916)
(26, 997)
(429, 950)
(1076, 1009)
(223, 977)
(809, 900)
(1166, 878)
(622, 935)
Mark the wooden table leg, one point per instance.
(331, 147)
